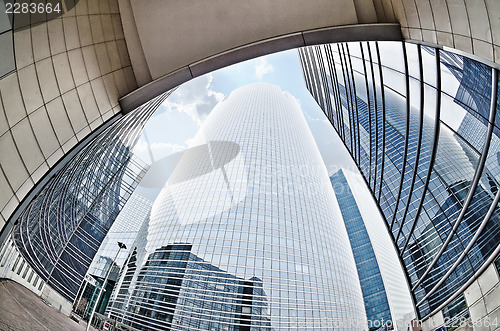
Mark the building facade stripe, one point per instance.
(419, 144)
(407, 136)
(435, 129)
(434, 149)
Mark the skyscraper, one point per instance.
(401, 113)
(245, 224)
(377, 308)
(125, 230)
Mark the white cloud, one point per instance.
(196, 98)
(199, 139)
(262, 67)
(164, 147)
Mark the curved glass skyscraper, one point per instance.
(60, 230)
(242, 235)
(422, 124)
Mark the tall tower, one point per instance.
(242, 234)
(370, 278)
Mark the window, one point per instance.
(456, 313)
(246, 310)
(15, 263)
(20, 267)
(26, 271)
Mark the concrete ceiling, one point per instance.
(176, 33)
(166, 36)
(170, 42)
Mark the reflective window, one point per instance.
(60, 230)
(372, 286)
(437, 180)
(242, 235)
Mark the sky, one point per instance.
(173, 126)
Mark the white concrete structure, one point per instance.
(71, 71)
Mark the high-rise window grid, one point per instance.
(376, 304)
(254, 204)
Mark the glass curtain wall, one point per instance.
(423, 126)
(377, 308)
(61, 229)
(242, 235)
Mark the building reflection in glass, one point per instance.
(176, 288)
(423, 126)
(60, 230)
(124, 229)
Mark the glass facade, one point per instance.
(422, 124)
(242, 236)
(210, 298)
(61, 229)
(124, 230)
(377, 308)
(456, 313)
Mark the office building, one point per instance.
(55, 91)
(377, 307)
(250, 208)
(59, 232)
(210, 298)
(65, 74)
(124, 229)
(400, 109)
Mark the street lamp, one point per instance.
(121, 245)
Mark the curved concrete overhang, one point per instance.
(173, 34)
(360, 32)
(170, 42)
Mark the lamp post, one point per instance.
(121, 245)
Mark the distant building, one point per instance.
(124, 230)
(377, 308)
(187, 292)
